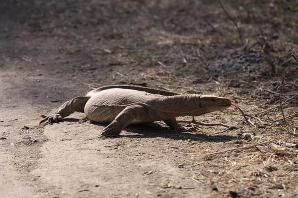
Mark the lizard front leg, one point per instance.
(137, 112)
(74, 105)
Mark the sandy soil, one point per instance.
(51, 51)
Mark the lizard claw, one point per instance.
(50, 120)
(110, 132)
(107, 134)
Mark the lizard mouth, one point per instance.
(216, 102)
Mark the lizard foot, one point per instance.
(50, 120)
(110, 131)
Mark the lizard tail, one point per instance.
(135, 87)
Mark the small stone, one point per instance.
(214, 188)
(271, 168)
(107, 51)
(25, 127)
(252, 188)
(232, 128)
(148, 172)
(54, 101)
(181, 166)
(261, 126)
(279, 186)
(234, 194)
(247, 136)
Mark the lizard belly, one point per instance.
(102, 113)
(104, 106)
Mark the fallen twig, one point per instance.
(234, 149)
(215, 124)
(254, 118)
(295, 57)
(280, 102)
(244, 115)
(161, 64)
(285, 62)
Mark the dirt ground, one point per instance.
(52, 50)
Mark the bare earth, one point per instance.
(51, 51)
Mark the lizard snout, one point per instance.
(217, 102)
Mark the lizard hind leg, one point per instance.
(74, 105)
(128, 115)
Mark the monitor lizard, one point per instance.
(122, 105)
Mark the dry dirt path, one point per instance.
(68, 160)
(12, 117)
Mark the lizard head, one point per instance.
(214, 103)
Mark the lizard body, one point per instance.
(121, 105)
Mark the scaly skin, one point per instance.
(136, 87)
(122, 105)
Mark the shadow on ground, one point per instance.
(154, 130)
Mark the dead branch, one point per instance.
(213, 28)
(232, 20)
(280, 102)
(295, 57)
(254, 117)
(209, 124)
(268, 57)
(215, 124)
